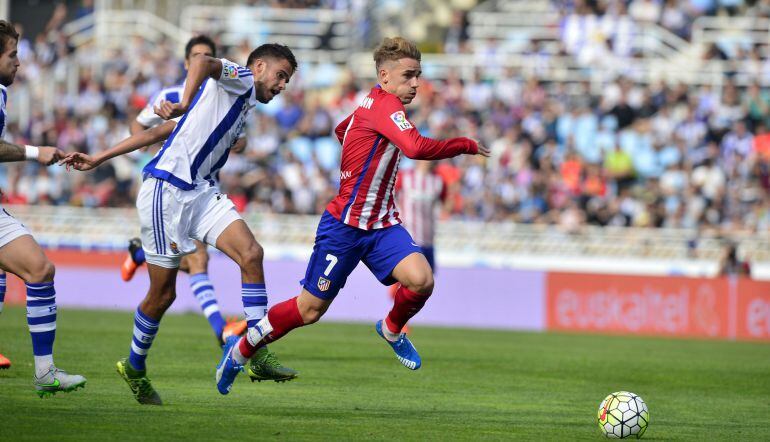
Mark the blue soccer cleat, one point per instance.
(228, 368)
(405, 351)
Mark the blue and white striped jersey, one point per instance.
(147, 116)
(3, 113)
(200, 144)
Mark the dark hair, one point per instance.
(274, 50)
(7, 32)
(199, 40)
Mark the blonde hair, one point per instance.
(396, 48)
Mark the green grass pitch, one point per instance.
(474, 385)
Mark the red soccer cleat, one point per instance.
(5, 363)
(234, 327)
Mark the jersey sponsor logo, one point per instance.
(400, 119)
(229, 71)
(323, 284)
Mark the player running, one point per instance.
(20, 254)
(178, 203)
(195, 264)
(362, 222)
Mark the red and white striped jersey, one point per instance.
(419, 197)
(373, 138)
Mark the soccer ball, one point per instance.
(623, 414)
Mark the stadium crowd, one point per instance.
(632, 155)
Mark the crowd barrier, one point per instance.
(711, 308)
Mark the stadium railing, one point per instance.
(731, 30)
(322, 35)
(665, 56)
(315, 35)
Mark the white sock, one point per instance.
(237, 355)
(43, 364)
(253, 336)
(389, 335)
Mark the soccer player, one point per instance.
(196, 263)
(20, 254)
(362, 223)
(178, 204)
(420, 193)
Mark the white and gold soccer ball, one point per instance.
(623, 414)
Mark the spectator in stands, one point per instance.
(730, 264)
(616, 150)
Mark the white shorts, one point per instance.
(171, 218)
(10, 228)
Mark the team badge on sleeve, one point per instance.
(229, 70)
(323, 284)
(400, 119)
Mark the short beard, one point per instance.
(6, 81)
(259, 93)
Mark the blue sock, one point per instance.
(254, 298)
(145, 330)
(2, 291)
(138, 256)
(41, 319)
(204, 293)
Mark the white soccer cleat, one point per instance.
(58, 380)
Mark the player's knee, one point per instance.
(202, 259)
(165, 298)
(252, 257)
(197, 263)
(161, 298)
(43, 271)
(422, 283)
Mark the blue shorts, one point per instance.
(339, 248)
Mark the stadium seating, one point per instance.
(672, 101)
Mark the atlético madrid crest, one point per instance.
(323, 284)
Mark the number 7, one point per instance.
(332, 262)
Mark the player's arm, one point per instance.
(135, 127)
(239, 145)
(201, 68)
(44, 154)
(81, 161)
(391, 122)
(342, 128)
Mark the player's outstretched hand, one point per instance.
(484, 150)
(49, 155)
(79, 161)
(168, 110)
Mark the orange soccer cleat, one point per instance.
(4, 363)
(129, 266)
(234, 327)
